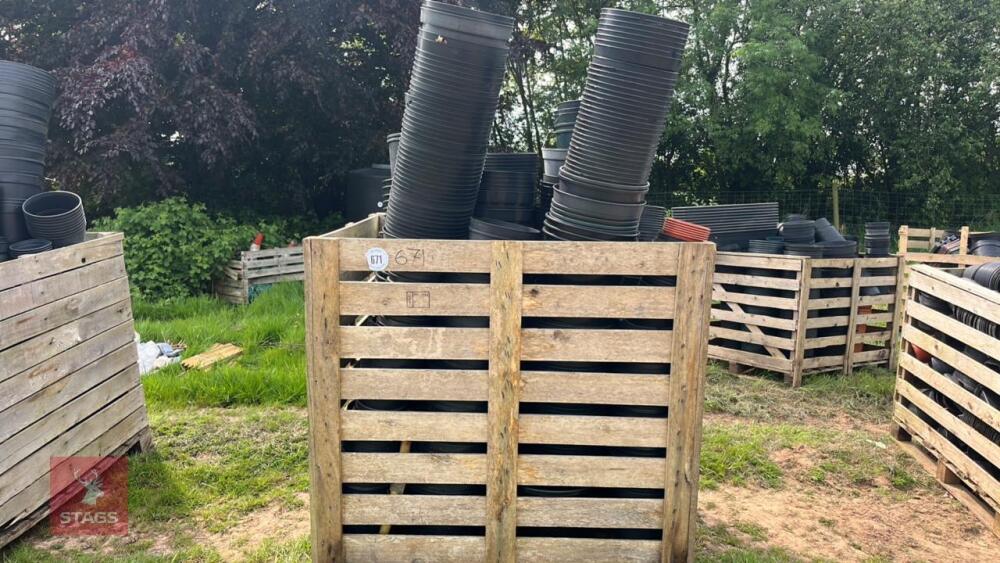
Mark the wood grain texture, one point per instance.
(852, 323)
(687, 391)
(322, 259)
(504, 393)
(100, 246)
(453, 510)
(538, 386)
(801, 317)
(33, 295)
(457, 549)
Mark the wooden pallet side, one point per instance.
(967, 469)
(334, 303)
(97, 247)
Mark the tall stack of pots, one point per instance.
(630, 85)
(454, 91)
(26, 97)
(507, 189)
(566, 113)
(365, 191)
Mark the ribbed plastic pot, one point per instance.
(494, 229)
(56, 216)
(29, 246)
(393, 141)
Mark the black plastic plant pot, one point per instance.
(505, 198)
(29, 246)
(570, 216)
(614, 50)
(524, 216)
(22, 166)
(602, 191)
(56, 216)
(620, 212)
(494, 229)
(577, 232)
(466, 20)
(563, 137)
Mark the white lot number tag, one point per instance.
(377, 258)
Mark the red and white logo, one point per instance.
(91, 496)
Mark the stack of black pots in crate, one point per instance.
(630, 83)
(507, 190)
(454, 91)
(26, 97)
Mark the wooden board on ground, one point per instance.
(451, 381)
(217, 353)
(69, 378)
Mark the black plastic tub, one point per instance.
(486, 228)
(29, 246)
(57, 217)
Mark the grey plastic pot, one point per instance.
(56, 216)
(553, 160)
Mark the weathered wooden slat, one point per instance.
(24, 503)
(764, 261)
(36, 321)
(57, 393)
(470, 385)
(960, 292)
(785, 303)
(30, 268)
(48, 426)
(760, 339)
(756, 360)
(436, 510)
(33, 295)
(322, 259)
(755, 320)
(532, 428)
(566, 258)
(954, 358)
(27, 470)
(971, 403)
(972, 438)
(254, 255)
(968, 335)
(448, 299)
(597, 345)
(504, 394)
(35, 355)
(687, 391)
(470, 469)
(458, 549)
(744, 280)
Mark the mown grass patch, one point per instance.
(767, 455)
(271, 331)
(864, 396)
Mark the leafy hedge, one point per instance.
(174, 248)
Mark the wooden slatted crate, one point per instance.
(258, 268)
(949, 422)
(916, 245)
(491, 417)
(791, 314)
(69, 378)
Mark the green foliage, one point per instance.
(174, 248)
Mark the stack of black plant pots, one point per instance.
(651, 222)
(507, 189)
(365, 191)
(630, 85)
(877, 239)
(825, 232)
(454, 90)
(57, 217)
(565, 119)
(26, 97)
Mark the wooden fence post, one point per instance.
(696, 266)
(904, 239)
(322, 266)
(504, 398)
(963, 244)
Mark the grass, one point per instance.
(865, 396)
(746, 454)
(271, 331)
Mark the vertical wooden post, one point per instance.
(897, 312)
(852, 320)
(322, 265)
(963, 243)
(835, 189)
(504, 398)
(696, 265)
(801, 317)
(904, 239)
